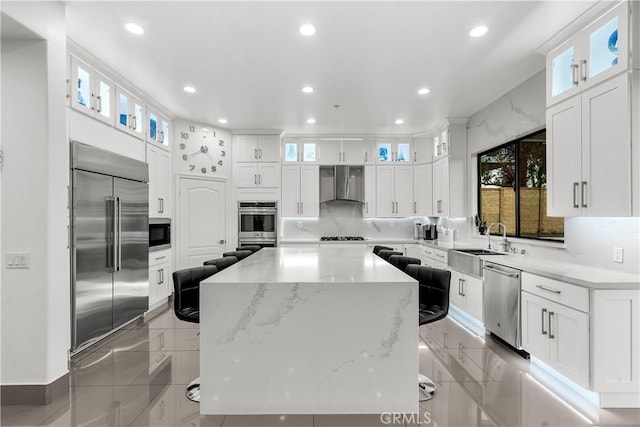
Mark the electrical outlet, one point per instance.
(390, 224)
(618, 254)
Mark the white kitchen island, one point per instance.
(309, 331)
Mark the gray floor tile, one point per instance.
(268, 421)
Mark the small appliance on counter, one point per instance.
(429, 232)
(417, 232)
(446, 235)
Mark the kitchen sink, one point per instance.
(467, 260)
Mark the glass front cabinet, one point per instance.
(129, 117)
(389, 151)
(157, 128)
(91, 92)
(299, 151)
(597, 53)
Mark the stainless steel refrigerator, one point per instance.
(110, 242)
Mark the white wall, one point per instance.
(588, 241)
(35, 301)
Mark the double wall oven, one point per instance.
(257, 223)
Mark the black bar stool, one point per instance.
(401, 262)
(186, 305)
(377, 249)
(434, 305)
(385, 254)
(238, 254)
(252, 248)
(222, 263)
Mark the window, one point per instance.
(512, 189)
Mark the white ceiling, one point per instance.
(248, 61)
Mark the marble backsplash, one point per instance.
(345, 219)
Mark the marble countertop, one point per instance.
(333, 264)
(577, 274)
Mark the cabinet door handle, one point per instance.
(160, 276)
(439, 206)
(574, 74)
(301, 208)
(134, 122)
(415, 208)
(344, 157)
(544, 288)
(255, 179)
(366, 156)
(260, 179)
(392, 207)
(397, 207)
(158, 258)
(161, 137)
(259, 153)
(161, 205)
(582, 195)
(583, 70)
(542, 313)
(551, 336)
(99, 102)
(575, 191)
(255, 153)
(414, 157)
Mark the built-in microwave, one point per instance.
(159, 234)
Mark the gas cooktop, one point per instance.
(341, 238)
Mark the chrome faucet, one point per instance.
(504, 245)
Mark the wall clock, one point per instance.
(201, 150)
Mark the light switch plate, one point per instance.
(17, 259)
(618, 254)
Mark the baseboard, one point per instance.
(34, 394)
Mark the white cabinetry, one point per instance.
(441, 142)
(394, 192)
(393, 151)
(301, 191)
(595, 54)
(160, 198)
(449, 172)
(299, 151)
(369, 152)
(555, 325)
(369, 208)
(130, 113)
(340, 153)
(422, 150)
(158, 128)
(398, 247)
(412, 250)
(257, 148)
(160, 279)
(616, 350)
(257, 175)
(466, 293)
(423, 190)
(91, 92)
(589, 152)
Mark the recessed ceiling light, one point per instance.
(190, 89)
(134, 28)
(399, 121)
(307, 30)
(424, 91)
(223, 121)
(479, 31)
(307, 89)
(311, 121)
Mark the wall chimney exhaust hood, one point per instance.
(342, 182)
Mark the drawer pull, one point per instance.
(544, 288)
(160, 257)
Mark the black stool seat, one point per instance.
(401, 262)
(222, 263)
(377, 249)
(252, 248)
(386, 253)
(238, 254)
(186, 285)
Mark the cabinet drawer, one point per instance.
(428, 252)
(555, 290)
(442, 256)
(159, 257)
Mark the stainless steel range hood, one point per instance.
(342, 183)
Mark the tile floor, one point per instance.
(137, 378)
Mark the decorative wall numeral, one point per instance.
(213, 168)
(219, 162)
(183, 146)
(221, 143)
(223, 153)
(184, 135)
(192, 128)
(192, 167)
(184, 157)
(203, 170)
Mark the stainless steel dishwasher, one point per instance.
(501, 303)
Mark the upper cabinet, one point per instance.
(299, 151)
(340, 152)
(257, 148)
(449, 171)
(422, 150)
(441, 142)
(91, 92)
(160, 199)
(390, 151)
(300, 191)
(129, 113)
(593, 55)
(157, 128)
(369, 152)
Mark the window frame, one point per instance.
(516, 142)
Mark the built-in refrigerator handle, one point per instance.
(111, 233)
(119, 233)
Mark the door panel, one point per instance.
(92, 239)
(403, 190)
(131, 280)
(291, 191)
(570, 343)
(309, 191)
(202, 221)
(535, 326)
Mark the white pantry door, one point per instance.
(201, 231)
